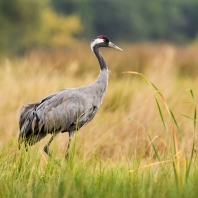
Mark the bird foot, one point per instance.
(46, 149)
(67, 156)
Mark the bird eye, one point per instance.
(106, 41)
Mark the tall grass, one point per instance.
(142, 142)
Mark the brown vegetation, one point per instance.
(129, 111)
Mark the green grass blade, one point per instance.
(192, 150)
(191, 92)
(191, 158)
(188, 117)
(142, 76)
(155, 87)
(176, 175)
(175, 121)
(161, 115)
(155, 150)
(195, 119)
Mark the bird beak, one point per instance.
(114, 46)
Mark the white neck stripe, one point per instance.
(95, 42)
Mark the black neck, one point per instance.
(100, 58)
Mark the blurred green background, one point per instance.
(30, 24)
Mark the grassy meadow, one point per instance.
(142, 142)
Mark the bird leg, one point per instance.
(71, 135)
(46, 148)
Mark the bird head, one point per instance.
(103, 41)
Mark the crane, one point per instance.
(67, 110)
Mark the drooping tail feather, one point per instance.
(26, 117)
(25, 112)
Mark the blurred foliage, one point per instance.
(130, 20)
(17, 19)
(58, 31)
(27, 24)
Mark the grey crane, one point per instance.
(67, 110)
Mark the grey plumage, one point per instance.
(67, 110)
